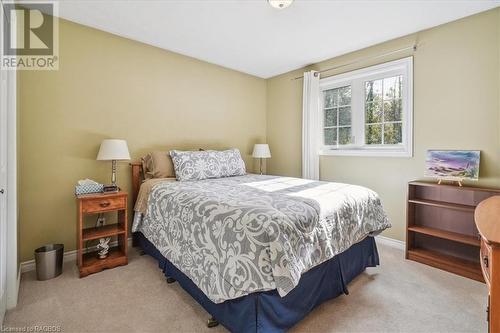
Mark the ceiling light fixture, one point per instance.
(280, 4)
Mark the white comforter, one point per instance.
(238, 235)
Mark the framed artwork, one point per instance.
(454, 165)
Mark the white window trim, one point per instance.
(398, 67)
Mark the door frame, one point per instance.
(3, 186)
(10, 256)
(13, 271)
(12, 277)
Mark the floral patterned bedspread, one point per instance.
(238, 235)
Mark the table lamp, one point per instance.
(113, 150)
(260, 151)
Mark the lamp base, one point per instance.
(113, 172)
(111, 188)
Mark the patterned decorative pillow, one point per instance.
(198, 165)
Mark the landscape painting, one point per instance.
(453, 164)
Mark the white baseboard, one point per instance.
(29, 265)
(397, 244)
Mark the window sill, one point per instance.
(366, 152)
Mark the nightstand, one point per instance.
(96, 203)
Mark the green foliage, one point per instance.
(330, 135)
(337, 116)
(392, 134)
(373, 134)
(344, 135)
(383, 111)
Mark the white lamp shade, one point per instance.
(113, 149)
(261, 150)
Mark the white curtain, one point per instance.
(310, 124)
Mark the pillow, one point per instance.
(198, 165)
(157, 164)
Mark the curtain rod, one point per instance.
(412, 47)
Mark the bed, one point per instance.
(258, 252)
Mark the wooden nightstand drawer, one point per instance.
(486, 261)
(103, 204)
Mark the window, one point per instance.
(368, 112)
(337, 113)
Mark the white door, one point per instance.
(3, 189)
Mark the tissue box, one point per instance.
(88, 189)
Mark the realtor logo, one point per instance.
(29, 35)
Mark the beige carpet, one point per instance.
(398, 296)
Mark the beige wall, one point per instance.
(111, 87)
(456, 106)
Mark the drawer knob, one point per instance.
(104, 204)
(486, 262)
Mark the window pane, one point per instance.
(373, 134)
(373, 113)
(393, 134)
(393, 86)
(392, 110)
(344, 135)
(330, 117)
(399, 87)
(345, 116)
(389, 87)
(373, 90)
(330, 98)
(345, 95)
(330, 136)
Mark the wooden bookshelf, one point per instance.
(448, 263)
(441, 204)
(450, 235)
(440, 226)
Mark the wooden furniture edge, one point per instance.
(136, 180)
(442, 204)
(137, 173)
(99, 195)
(464, 187)
(447, 263)
(486, 216)
(444, 234)
(88, 263)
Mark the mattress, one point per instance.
(239, 235)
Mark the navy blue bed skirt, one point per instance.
(266, 311)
